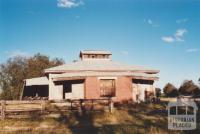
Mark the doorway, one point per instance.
(107, 88)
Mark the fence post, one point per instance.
(111, 106)
(92, 105)
(43, 104)
(3, 108)
(71, 104)
(80, 107)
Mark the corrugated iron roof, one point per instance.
(37, 81)
(105, 74)
(98, 65)
(95, 52)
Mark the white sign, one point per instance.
(182, 115)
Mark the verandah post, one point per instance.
(111, 105)
(80, 107)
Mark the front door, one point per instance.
(107, 87)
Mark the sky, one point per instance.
(159, 34)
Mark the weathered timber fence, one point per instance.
(13, 107)
(173, 99)
(9, 108)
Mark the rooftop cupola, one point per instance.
(95, 55)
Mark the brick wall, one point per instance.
(92, 88)
(123, 88)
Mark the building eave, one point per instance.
(66, 71)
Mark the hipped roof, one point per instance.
(98, 65)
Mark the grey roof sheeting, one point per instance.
(37, 81)
(95, 52)
(98, 65)
(104, 74)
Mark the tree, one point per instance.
(36, 65)
(189, 88)
(15, 70)
(11, 77)
(170, 90)
(158, 92)
(199, 81)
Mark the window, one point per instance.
(107, 87)
(173, 110)
(140, 81)
(67, 87)
(181, 110)
(190, 110)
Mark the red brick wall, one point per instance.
(92, 88)
(123, 88)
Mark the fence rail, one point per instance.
(173, 99)
(16, 108)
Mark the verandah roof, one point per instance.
(37, 81)
(83, 75)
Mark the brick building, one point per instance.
(94, 76)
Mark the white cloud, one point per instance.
(178, 36)
(69, 3)
(192, 50)
(16, 53)
(182, 20)
(125, 52)
(168, 39)
(77, 17)
(150, 22)
(180, 32)
(179, 39)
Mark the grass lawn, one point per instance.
(126, 119)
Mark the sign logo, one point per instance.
(182, 114)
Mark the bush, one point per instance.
(158, 92)
(170, 90)
(189, 88)
(16, 69)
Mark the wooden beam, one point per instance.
(145, 78)
(68, 78)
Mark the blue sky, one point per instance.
(161, 34)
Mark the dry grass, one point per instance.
(33, 126)
(126, 119)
